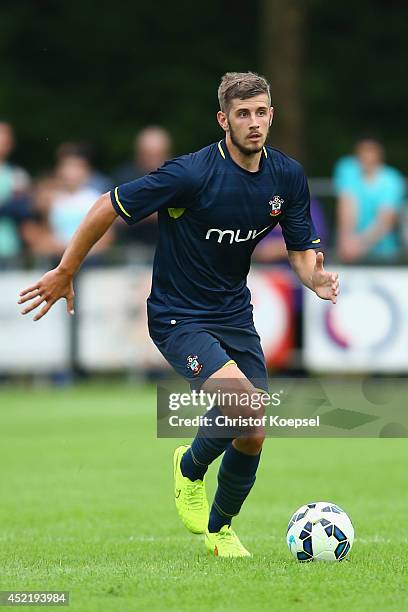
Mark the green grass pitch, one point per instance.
(86, 505)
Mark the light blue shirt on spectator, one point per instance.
(385, 191)
(68, 210)
(9, 241)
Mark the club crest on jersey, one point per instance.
(194, 365)
(276, 204)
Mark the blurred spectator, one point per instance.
(73, 197)
(369, 199)
(346, 168)
(59, 204)
(152, 147)
(96, 180)
(272, 248)
(36, 231)
(14, 183)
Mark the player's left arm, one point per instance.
(310, 270)
(301, 238)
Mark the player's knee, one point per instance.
(251, 445)
(243, 400)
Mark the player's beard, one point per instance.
(242, 148)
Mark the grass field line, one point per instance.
(375, 539)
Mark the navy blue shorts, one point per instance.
(197, 350)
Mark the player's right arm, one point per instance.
(58, 283)
(170, 186)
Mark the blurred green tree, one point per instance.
(98, 72)
(282, 32)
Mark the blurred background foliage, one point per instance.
(99, 72)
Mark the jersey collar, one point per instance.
(223, 151)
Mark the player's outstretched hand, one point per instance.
(325, 284)
(54, 285)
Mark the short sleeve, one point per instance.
(297, 226)
(172, 185)
(392, 195)
(346, 172)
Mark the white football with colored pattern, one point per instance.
(320, 531)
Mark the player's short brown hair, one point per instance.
(241, 85)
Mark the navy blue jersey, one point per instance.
(212, 213)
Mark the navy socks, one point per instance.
(205, 448)
(236, 475)
(236, 478)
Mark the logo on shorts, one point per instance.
(194, 365)
(276, 204)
